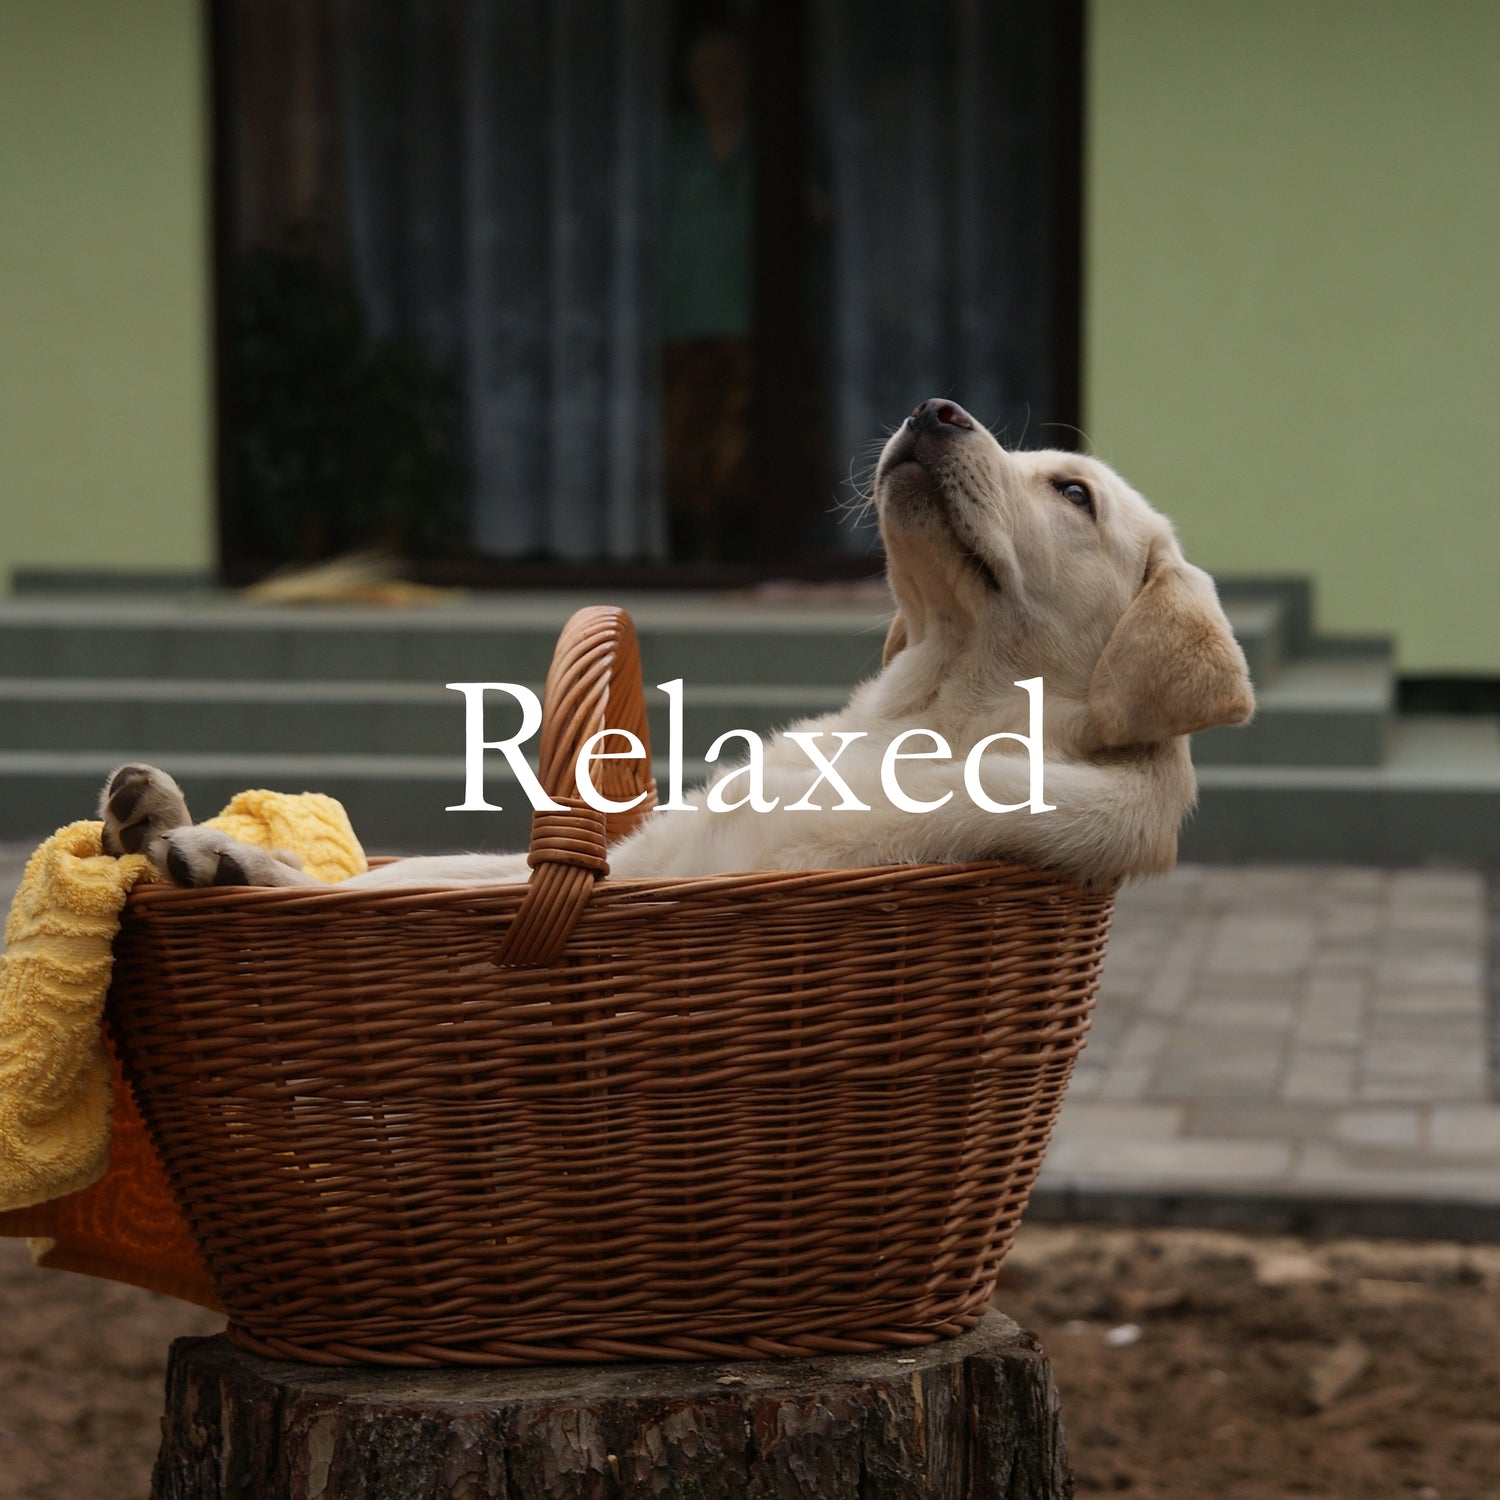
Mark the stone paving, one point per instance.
(1270, 1035)
(1290, 1033)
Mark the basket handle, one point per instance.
(594, 683)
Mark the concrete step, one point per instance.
(350, 700)
(394, 802)
(1262, 626)
(1436, 797)
(702, 639)
(178, 715)
(1332, 709)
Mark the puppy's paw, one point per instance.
(196, 856)
(139, 805)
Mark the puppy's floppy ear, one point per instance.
(895, 639)
(1172, 665)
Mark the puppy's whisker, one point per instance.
(1084, 441)
(1000, 431)
(858, 497)
(857, 503)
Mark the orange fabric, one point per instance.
(127, 1226)
(78, 1174)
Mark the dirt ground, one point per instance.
(1209, 1366)
(1192, 1366)
(82, 1365)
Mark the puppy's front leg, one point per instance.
(1103, 823)
(203, 856)
(144, 812)
(444, 870)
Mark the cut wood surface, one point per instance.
(971, 1418)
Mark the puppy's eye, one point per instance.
(1076, 492)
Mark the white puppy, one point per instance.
(1005, 567)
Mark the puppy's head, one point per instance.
(1010, 565)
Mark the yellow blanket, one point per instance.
(77, 1172)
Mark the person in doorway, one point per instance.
(707, 300)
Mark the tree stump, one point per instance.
(971, 1418)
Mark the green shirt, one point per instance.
(705, 264)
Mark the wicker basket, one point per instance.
(582, 1120)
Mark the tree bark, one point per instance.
(971, 1418)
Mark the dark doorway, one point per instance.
(628, 290)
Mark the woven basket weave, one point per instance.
(582, 1120)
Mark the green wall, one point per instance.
(105, 418)
(1292, 311)
(1293, 297)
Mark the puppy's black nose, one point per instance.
(931, 415)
